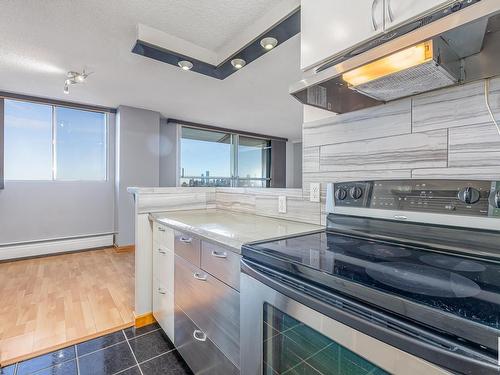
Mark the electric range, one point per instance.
(411, 264)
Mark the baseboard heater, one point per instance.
(54, 246)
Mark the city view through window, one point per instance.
(210, 158)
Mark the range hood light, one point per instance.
(401, 60)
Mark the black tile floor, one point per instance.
(141, 351)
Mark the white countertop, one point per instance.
(232, 229)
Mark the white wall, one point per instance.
(137, 155)
(168, 154)
(45, 210)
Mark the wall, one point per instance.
(294, 165)
(168, 154)
(45, 210)
(264, 202)
(441, 134)
(137, 155)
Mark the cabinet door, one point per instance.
(328, 27)
(399, 11)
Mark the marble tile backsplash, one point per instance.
(441, 134)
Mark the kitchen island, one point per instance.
(196, 280)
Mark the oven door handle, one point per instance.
(399, 336)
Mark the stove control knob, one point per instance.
(468, 195)
(497, 199)
(356, 192)
(341, 194)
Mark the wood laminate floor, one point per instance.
(52, 302)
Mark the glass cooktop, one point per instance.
(468, 288)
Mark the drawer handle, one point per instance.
(161, 291)
(161, 229)
(162, 251)
(186, 240)
(219, 254)
(199, 335)
(197, 276)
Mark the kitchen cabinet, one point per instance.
(400, 11)
(222, 263)
(329, 27)
(212, 305)
(198, 350)
(163, 278)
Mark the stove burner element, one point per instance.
(384, 251)
(452, 263)
(424, 280)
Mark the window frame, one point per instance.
(235, 142)
(53, 107)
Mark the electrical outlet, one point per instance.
(282, 204)
(314, 191)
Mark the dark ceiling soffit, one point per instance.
(60, 103)
(224, 130)
(284, 30)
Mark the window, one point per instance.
(211, 158)
(45, 142)
(254, 162)
(28, 141)
(80, 145)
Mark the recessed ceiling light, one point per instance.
(185, 65)
(269, 43)
(238, 63)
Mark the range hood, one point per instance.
(456, 44)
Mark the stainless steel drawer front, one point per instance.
(211, 304)
(200, 353)
(222, 263)
(188, 247)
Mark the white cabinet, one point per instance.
(399, 11)
(329, 27)
(163, 278)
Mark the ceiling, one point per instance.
(41, 40)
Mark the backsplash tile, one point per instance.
(419, 150)
(477, 145)
(447, 135)
(462, 105)
(382, 121)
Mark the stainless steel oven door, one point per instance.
(280, 335)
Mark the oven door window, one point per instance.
(291, 347)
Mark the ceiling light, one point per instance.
(401, 60)
(238, 63)
(80, 77)
(185, 65)
(269, 43)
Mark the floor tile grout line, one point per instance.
(77, 362)
(116, 343)
(157, 356)
(133, 354)
(142, 334)
(44, 368)
(98, 350)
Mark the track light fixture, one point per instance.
(73, 78)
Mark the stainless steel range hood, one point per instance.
(445, 48)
